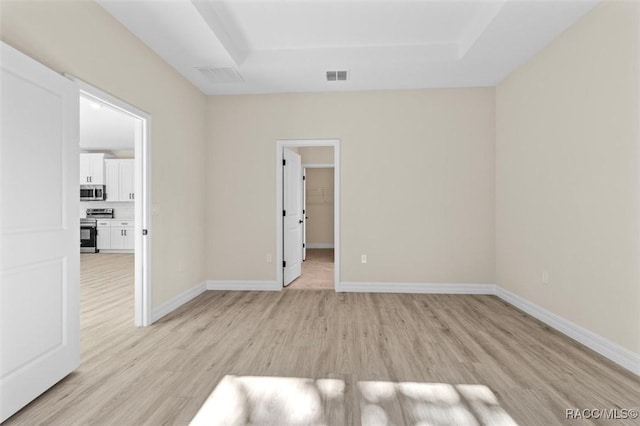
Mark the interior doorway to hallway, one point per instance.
(308, 205)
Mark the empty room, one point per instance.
(320, 212)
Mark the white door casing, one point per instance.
(304, 214)
(142, 201)
(39, 225)
(292, 216)
(279, 186)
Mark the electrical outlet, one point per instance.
(363, 258)
(268, 258)
(545, 277)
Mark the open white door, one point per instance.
(292, 215)
(304, 213)
(40, 230)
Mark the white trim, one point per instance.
(416, 288)
(320, 245)
(176, 302)
(614, 352)
(143, 289)
(243, 285)
(318, 165)
(280, 145)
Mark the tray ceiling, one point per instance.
(267, 46)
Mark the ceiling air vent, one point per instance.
(337, 75)
(221, 75)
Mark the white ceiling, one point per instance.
(287, 45)
(105, 129)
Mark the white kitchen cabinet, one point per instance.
(104, 235)
(120, 177)
(116, 235)
(92, 168)
(122, 233)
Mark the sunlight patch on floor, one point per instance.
(431, 404)
(244, 400)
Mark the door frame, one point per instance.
(142, 203)
(303, 143)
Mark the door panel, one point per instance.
(292, 220)
(39, 253)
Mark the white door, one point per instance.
(304, 213)
(292, 215)
(40, 230)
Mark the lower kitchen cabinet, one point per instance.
(116, 235)
(104, 235)
(122, 238)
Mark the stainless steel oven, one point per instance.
(89, 229)
(92, 193)
(88, 236)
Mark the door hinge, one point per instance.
(145, 232)
(304, 178)
(303, 245)
(284, 212)
(303, 211)
(284, 162)
(284, 263)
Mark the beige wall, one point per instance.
(317, 154)
(320, 205)
(82, 39)
(568, 174)
(417, 172)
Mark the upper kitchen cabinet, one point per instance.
(92, 169)
(120, 180)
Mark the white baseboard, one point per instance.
(177, 301)
(320, 245)
(616, 353)
(419, 288)
(243, 285)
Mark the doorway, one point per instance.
(291, 243)
(127, 198)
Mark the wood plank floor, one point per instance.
(320, 357)
(317, 271)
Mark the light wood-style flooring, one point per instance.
(320, 357)
(317, 271)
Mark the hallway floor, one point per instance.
(317, 271)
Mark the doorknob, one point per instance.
(300, 221)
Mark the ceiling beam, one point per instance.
(221, 23)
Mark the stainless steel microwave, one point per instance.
(92, 193)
